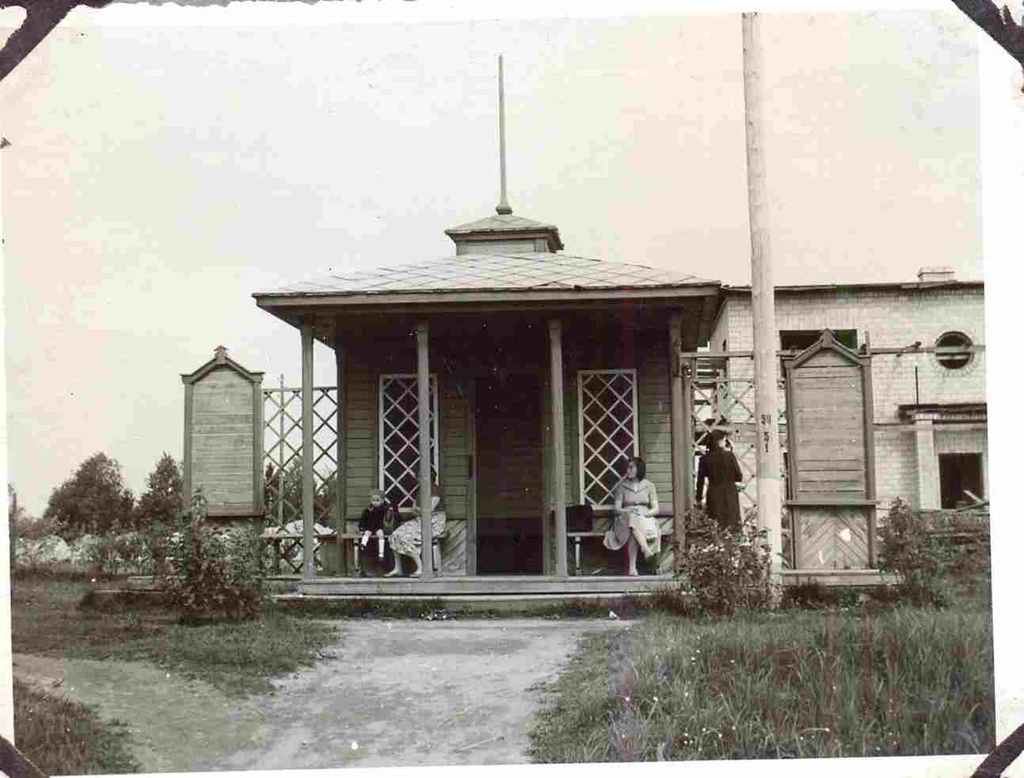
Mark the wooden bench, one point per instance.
(576, 538)
(325, 537)
(296, 538)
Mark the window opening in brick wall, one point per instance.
(399, 434)
(959, 474)
(798, 340)
(608, 431)
(949, 350)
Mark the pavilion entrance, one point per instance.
(509, 474)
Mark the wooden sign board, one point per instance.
(831, 456)
(223, 437)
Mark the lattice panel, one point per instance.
(608, 431)
(717, 399)
(283, 449)
(399, 438)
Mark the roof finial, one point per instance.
(503, 206)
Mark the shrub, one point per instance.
(213, 572)
(128, 553)
(725, 569)
(906, 551)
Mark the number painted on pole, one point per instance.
(766, 424)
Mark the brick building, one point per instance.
(929, 406)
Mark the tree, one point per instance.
(161, 502)
(14, 513)
(94, 500)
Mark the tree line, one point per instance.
(95, 500)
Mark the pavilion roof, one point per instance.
(541, 271)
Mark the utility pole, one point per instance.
(769, 482)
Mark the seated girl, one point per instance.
(377, 521)
(407, 540)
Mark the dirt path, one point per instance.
(399, 693)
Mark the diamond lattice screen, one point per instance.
(717, 398)
(399, 438)
(607, 414)
(282, 453)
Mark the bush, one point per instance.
(128, 553)
(906, 550)
(725, 569)
(213, 573)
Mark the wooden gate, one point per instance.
(831, 456)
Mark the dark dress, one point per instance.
(381, 517)
(722, 472)
(373, 519)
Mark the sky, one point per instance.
(159, 175)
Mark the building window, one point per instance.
(950, 350)
(399, 430)
(798, 340)
(608, 431)
(958, 475)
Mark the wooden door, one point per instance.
(510, 478)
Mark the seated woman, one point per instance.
(407, 540)
(635, 525)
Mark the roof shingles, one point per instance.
(498, 272)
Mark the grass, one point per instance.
(792, 683)
(56, 617)
(62, 738)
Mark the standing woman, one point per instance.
(636, 507)
(722, 472)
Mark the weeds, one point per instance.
(776, 685)
(62, 738)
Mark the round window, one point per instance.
(950, 350)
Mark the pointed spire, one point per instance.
(503, 206)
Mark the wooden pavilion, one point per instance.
(519, 378)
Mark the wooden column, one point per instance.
(186, 461)
(546, 463)
(769, 482)
(471, 491)
(869, 453)
(558, 438)
(689, 477)
(423, 387)
(308, 541)
(681, 500)
(340, 492)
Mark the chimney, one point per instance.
(936, 275)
